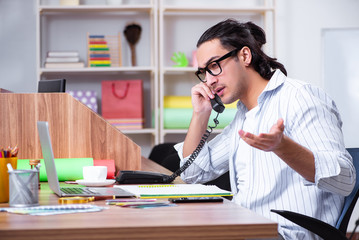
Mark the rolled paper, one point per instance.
(180, 118)
(67, 168)
(109, 163)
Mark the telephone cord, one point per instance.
(195, 152)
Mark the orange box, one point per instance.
(4, 177)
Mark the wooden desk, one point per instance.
(186, 221)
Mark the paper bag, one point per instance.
(122, 103)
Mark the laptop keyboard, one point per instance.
(77, 191)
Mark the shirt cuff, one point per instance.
(326, 165)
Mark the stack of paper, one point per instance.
(68, 59)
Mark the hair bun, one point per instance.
(257, 32)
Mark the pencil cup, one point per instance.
(24, 190)
(4, 177)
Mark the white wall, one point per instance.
(299, 30)
(298, 40)
(17, 44)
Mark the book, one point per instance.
(65, 65)
(62, 54)
(62, 59)
(124, 123)
(175, 190)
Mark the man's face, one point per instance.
(229, 84)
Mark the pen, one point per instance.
(80, 200)
(131, 200)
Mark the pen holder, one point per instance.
(24, 190)
(4, 177)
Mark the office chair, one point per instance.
(55, 85)
(323, 229)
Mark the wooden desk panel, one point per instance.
(186, 221)
(75, 130)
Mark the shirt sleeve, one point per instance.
(317, 126)
(211, 162)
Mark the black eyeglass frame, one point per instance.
(227, 55)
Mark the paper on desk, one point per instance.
(175, 190)
(54, 209)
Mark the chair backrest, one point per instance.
(54, 85)
(350, 201)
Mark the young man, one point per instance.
(284, 149)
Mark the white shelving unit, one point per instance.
(64, 28)
(168, 26)
(185, 19)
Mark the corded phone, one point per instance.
(142, 177)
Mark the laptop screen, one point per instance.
(48, 156)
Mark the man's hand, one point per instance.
(295, 155)
(201, 94)
(265, 141)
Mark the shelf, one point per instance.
(55, 23)
(139, 131)
(211, 10)
(92, 8)
(181, 23)
(179, 69)
(97, 70)
(168, 26)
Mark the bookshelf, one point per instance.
(165, 25)
(66, 28)
(175, 17)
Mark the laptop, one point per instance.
(53, 180)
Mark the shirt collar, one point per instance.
(275, 82)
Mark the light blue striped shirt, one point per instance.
(312, 120)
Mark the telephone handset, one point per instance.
(141, 177)
(217, 104)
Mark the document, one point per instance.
(54, 209)
(175, 190)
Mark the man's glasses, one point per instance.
(214, 68)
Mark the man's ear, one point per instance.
(246, 55)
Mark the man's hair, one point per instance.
(233, 34)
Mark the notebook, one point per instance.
(53, 180)
(175, 190)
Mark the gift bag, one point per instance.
(87, 97)
(122, 103)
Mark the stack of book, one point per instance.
(70, 59)
(127, 123)
(99, 51)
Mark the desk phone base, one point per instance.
(140, 177)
